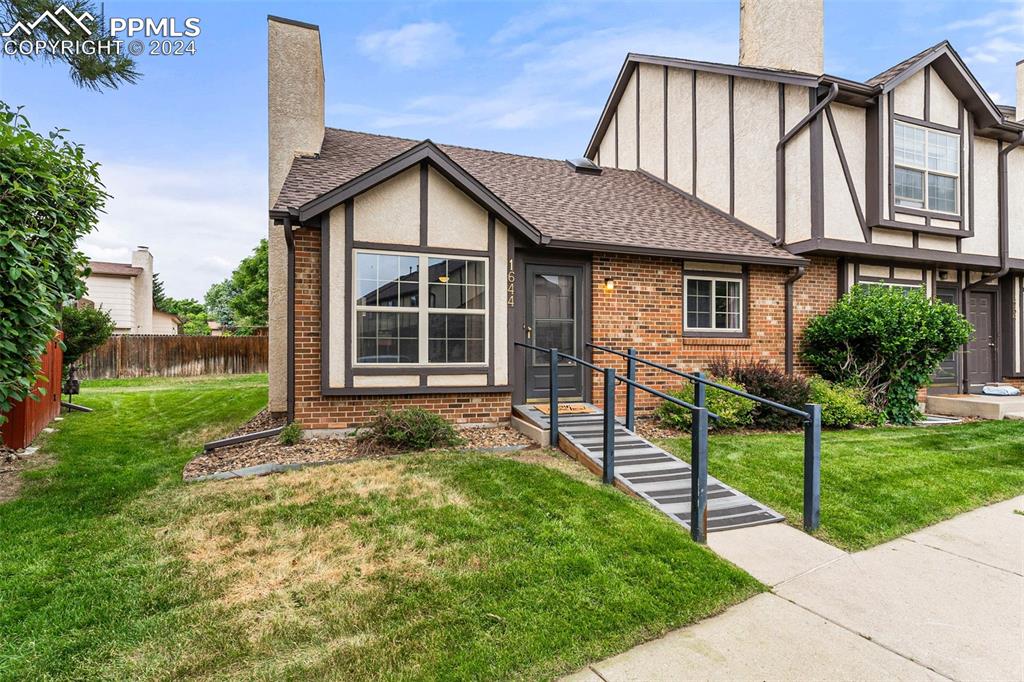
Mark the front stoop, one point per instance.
(977, 406)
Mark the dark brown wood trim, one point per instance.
(711, 257)
(693, 130)
(910, 120)
(638, 117)
(664, 123)
(780, 171)
(960, 180)
(424, 192)
(884, 251)
(349, 298)
(817, 169)
(744, 277)
(934, 215)
(616, 119)
(970, 154)
(416, 390)
(891, 147)
(873, 155)
(846, 173)
(420, 370)
(927, 93)
(492, 286)
(325, 300)
(411, 248)
(732, 147)
(954, 232)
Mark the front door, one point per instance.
(946, 378)
(981, 350)
(554, 305)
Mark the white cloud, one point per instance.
(198, 220)
(412, 45)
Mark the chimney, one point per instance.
(295, 126)
(783, 34)
(143, 318)
(1019, 112)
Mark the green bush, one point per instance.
(410, 429)
(842, 407)
(770, 381)
(733, 411)
(84, 329)
(290, 434)
(888, 340)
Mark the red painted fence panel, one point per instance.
(27, 418)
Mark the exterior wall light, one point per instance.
(609, 284)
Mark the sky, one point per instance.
(183, 151)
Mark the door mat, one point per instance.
(566, 408)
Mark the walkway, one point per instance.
(943, 603)
(647, 471)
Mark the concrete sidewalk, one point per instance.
(946, 602)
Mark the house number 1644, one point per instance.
(510, 288)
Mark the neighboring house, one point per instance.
(126, 292)
(716, 209)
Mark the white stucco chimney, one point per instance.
(783, 34)
(143, 319)
(1020, 91)
(295, 126)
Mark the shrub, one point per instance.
(410, 429)
(290, 434)
(887, 340)
(733, 411)
(842, 406)
(84, 329)
(766, 380)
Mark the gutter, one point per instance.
(780, 163)
(790, 281)
(1004, 217)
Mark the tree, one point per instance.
(218, 302)
(886, 340)
(160, 297)
(251, 283)
(50, 197)
(196, 325)
(84, 329)
(104, 68)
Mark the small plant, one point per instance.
(732, 410)
(842, 407)
(290, 434)
(412, 428)
(767, 380)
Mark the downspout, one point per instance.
(780, 163)
(1004, 216)
(289, 240)
(790, 281)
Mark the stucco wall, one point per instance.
(943, 107)
(1015, 171)
(908, 97)
(390, 212)
(756, 132)
(841, 220)
(713, 139)
(680, 126)
(454, 220)
(783, 34)
(626, 117)
(798, 167)
(652, 119)
(986, 197)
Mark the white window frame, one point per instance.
(423, 310)
(926, 171)
(714, 328)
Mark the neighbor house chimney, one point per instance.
(142, 258)
(783, 34)
(295, 126)
(1019, 112)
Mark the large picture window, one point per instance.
(927, 168)
(713, 304)
(419, 309)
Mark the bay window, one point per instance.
(419, 309)
(713, 304)
(926, 168)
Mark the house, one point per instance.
(716, 209)
(125, 290)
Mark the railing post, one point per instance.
(631, 390)
(699, 391)
(553, 398)
(699, 475)
(812, 467)
(609, 425)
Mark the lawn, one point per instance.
(876, 484)
(444, 565)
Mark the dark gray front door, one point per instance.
(947, 377)
(554, 303)
(981, 350)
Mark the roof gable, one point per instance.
(428, 152)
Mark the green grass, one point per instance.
(448, 565)
(876, 484)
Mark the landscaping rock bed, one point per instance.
(324, 450)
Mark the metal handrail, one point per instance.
(664, 396)
(571, 358)
(707, 382)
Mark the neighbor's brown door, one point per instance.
(946, 378)
(981, 350)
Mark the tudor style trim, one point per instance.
(885, 251)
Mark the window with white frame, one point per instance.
(419, 309)
(927, 168)
(713, 304)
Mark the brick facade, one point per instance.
(644, 311)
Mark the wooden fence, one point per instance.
(142, 355)
(26, 419)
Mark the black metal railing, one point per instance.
(811, 416)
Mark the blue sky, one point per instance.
(184, 150)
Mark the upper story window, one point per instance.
(927, 168)
(419, 309)
(713, 304)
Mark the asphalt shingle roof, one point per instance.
(618, 207)
(99, 267)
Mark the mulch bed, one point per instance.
(319, 450)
